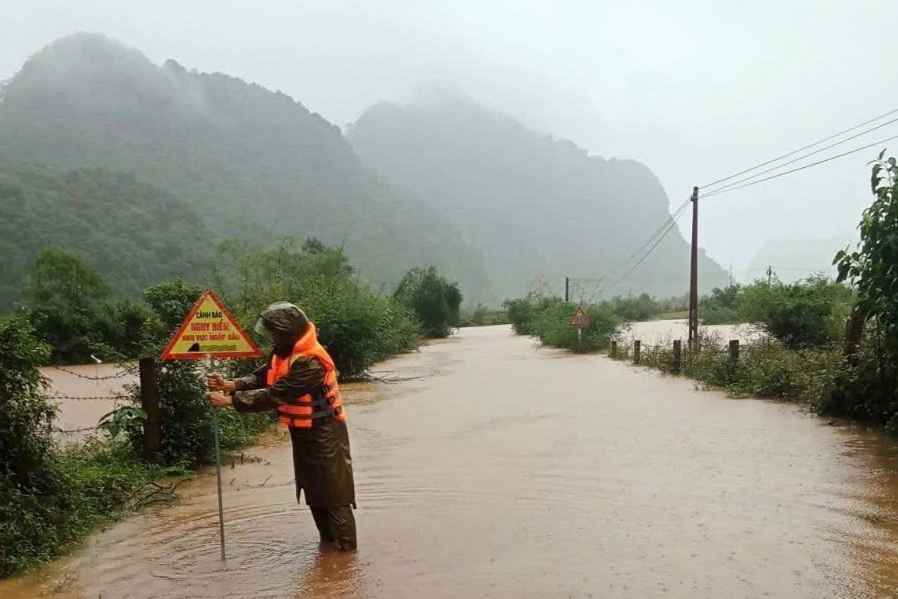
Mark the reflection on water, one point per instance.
(486, 468)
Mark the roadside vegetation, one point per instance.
(548, 319)
(830, 344)
(52, 494)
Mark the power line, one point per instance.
(809, 154)
(662, 230)
(670, 227)
(799, 269)
(801, 168)
(801, 149)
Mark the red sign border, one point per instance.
(574, 323)
(208, 293)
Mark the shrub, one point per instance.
(48, 499)
(549, 319)
(522, 312)
(636, 309)
(863, 391)
(357, 325)
(435, 300)
(808, 314)
(722, 306)
(553, 327)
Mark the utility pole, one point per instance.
(693, 275)
(769, 275)
(567, 290)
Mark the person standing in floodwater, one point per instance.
(300, 381)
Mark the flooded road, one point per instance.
(491, 468)
(663, 332)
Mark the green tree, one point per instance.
(869, 388)
(435, 300)
(722, 306)
(66, 304)
(171, 303)
(356, 325)
(30, 485)
(639, 308)
(871, 269)
(802, 315)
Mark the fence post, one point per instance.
(677, 356)
(614, 349)
(734, 350)
(149, 401)
(854, 332)
(637, 345)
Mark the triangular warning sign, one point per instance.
(210, 331)
(580, 318)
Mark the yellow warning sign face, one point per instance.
(210, 331)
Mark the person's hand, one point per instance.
(219, 399)
(216, 382)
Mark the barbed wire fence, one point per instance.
(126, 372)
(115, 398)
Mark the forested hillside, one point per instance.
(250, 162)
(537, 207)
(491, 204)
(135, 233)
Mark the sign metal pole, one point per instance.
(218, 470)
(210, 331)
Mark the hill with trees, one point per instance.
(135, 233)
(249, 162)
(99, 139)
(538, 208)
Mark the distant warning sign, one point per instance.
(210, 331)
(580, 319)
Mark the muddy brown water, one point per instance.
(84, 394)
(490, 468)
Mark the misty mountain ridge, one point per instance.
(446, 182)
(535, 205)
(251, 162)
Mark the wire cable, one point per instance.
(662, 230)
(808, 155)
(801, 149)
(670, 227)
(672, 217)
(801, 168)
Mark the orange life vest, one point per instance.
(324, 402)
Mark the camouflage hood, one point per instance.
(285, 323)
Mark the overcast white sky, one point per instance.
(695, 89)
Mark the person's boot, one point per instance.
(319, 514)
(342, 527)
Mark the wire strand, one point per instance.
(808, 155)
(801, 168)
(662, 230)
(801, 149)
(670, 227)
